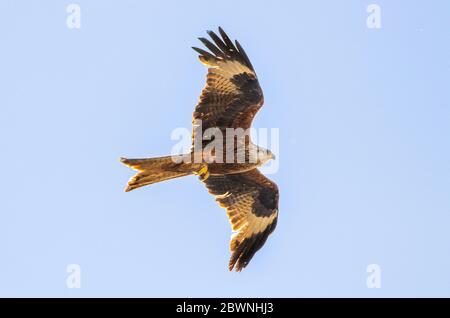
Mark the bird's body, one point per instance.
(222, 118)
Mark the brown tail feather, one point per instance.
(152, 170)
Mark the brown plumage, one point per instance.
(230, 99)
(251, 201)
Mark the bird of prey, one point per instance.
(230, 99)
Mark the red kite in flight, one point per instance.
(230, 99)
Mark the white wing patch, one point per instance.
(226, 69)
(252, 225)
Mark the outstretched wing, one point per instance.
(251, 201)
(232, 94)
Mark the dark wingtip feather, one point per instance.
(222, 46)
(212, 47)
(244, 55)
(226, 39)
(196, 49)
(204, 54)
(246, 249)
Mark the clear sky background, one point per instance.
(364, 119)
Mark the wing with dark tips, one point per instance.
(232, 94)
(251, 201)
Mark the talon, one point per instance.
(203, 170)
(203, 173)
(204, 176)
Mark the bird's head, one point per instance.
(265, 155)
(272, 156)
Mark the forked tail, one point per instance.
(152, 170)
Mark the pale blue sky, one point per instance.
(364, 119)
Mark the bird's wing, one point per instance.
(232, 94)
(251, 201)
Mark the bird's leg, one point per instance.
(203, 173)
